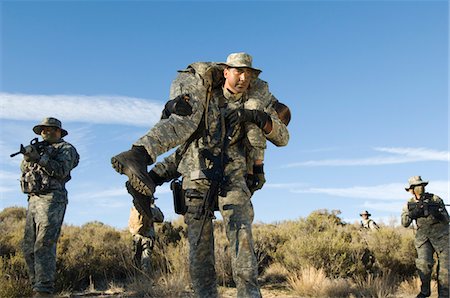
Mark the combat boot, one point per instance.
(133, 163)
(141, 202)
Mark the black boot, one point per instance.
(141, 202)
(133, 163)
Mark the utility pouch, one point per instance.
(31, 182)
(178, 197)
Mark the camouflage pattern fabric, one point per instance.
(235, 207)
(369, 224)
(46, 209)
(432, 235)
(143, 231)
(196, 81)
(142, 251)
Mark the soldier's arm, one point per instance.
(165, 170)
(406, 220)
(59, 162)
(444, 211)
(175, 130)
(158, 216)
(279, 135)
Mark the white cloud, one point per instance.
(81, 108)
(392, 191)
(399, 155)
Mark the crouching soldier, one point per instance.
(432, 236)
(45, 171)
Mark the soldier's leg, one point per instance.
(201, 256)
(28, 241)
(49, 218)
(137, 250)
(237, 212)
(442, 249)
(147, 247)
(424, 264)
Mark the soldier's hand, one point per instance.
(179, 106)
(259, 178)
(31, 154)
(415, 213)
(238, 116)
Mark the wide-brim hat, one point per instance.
(240, 60)
(365, 213)
(49, 122)
(415, 181)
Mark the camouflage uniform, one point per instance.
(235, 207)
(196, 81)
(143, 232)
(200, 81)
(369, 224)
(44, 182)
(432, 235)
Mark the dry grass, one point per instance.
(382, 286)
(275, 273)
(98, 258)
(309, 282)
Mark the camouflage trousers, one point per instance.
(424, 264)
(142, 250)
(237, 212)
(45, 216)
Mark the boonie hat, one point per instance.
(414, 181)
(240, 60)
(365, 213)
(49, 122)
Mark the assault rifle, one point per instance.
(425, 207)
(35, 145)
(215, 175)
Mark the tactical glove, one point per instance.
(179, 106)
(416, 213)
(258, 178)
(238, 116)
(31, 154)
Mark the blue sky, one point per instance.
(366, 81)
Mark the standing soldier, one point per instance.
(143, 230)
(432, 236)
(368, 223)
(45, 172)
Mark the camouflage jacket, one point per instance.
(428, 227)
(369, 224)
(52, 171)
(193, 165)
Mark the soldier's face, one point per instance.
(419, 190)
(237, 80)
(51, 134)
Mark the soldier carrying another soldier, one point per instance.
(432, 236)
(216, 156)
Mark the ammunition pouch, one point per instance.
(36, 181)
(179, 202)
